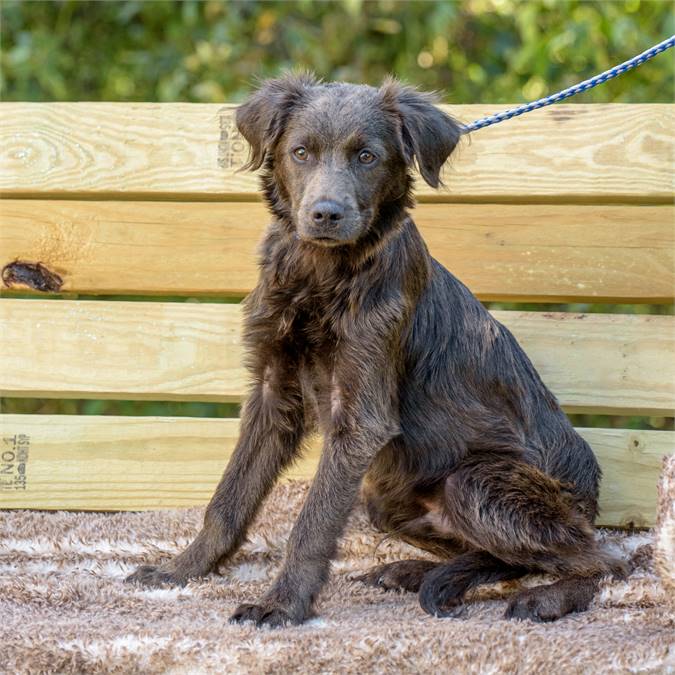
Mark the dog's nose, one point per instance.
(327, 212)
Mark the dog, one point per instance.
(427, 404)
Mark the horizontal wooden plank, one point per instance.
(128, 463)
(191, 351)
(567, 152)
(125, 350)
(609, 253)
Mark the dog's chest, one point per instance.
(312, 328)
(310, 317)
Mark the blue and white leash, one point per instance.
(571, 91)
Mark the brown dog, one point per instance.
(422, 397)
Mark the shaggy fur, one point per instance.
(65, 608)
(423, 398)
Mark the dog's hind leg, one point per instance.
(403, 575)
(404, 517)
(518, 519)
(443, 588)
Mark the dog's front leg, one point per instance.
(272, 428)
(313, 540)
(364, 420)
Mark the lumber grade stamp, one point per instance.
(13, 461)
(232, 148)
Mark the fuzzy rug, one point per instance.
(64, 607)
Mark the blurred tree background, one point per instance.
(472, 51)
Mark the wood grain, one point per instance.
(126, 350)
(189, 351)
(566, 152)
(128, 463)
(524, 252)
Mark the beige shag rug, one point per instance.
(65, 609)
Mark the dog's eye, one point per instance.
(301, 154)
(366, 157)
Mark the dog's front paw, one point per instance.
(266, 614)
(155, 577)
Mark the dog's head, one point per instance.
(336, 153)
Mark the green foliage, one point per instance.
(475, 51)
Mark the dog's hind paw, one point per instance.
(439, 596)
(404, 575)
(264, 615)
(155, 577)
(535, 607)
(553, 601)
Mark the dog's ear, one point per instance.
(428, 135)
(261, 119)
